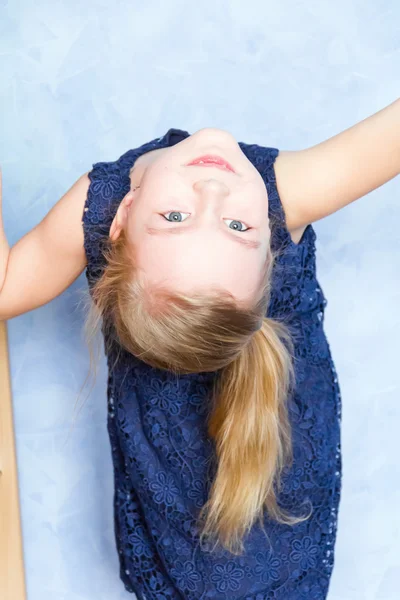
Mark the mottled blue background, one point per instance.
(84, 82)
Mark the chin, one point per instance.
(216, 135)
(213, 131)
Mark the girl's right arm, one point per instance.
(48, 259)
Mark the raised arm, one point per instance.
(316, 182)
(48, 259)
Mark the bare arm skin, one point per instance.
(318, 181)
(48, 259)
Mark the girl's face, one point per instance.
(198, 227)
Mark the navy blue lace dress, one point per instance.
(161, 450)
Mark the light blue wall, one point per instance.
(84, 82)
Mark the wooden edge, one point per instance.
(12, 572)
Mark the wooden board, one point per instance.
(12, 572)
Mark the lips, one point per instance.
(211, 160)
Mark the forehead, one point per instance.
(190, 260)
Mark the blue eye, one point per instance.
(235, 221)
(178, 220)
(175, 212)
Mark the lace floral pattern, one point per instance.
(161, 452)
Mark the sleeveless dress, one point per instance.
(161, 451)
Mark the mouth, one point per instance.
(211, 161)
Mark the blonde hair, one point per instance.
(195, 333)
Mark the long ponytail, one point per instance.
(251, 430)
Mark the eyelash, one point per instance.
(179, 211)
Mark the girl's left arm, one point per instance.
(317, 181)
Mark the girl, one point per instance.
(224, 406)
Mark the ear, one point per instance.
(121, 216)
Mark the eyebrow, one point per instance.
(174, 230)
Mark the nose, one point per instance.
(211, 186)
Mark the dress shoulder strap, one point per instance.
(107, 187)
